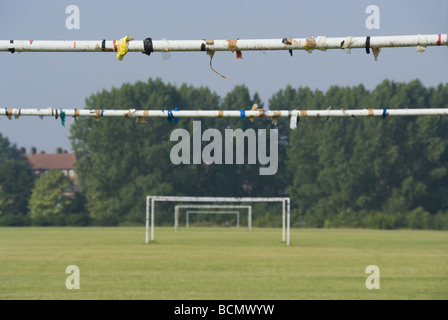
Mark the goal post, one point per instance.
(151, 200)
(212, 206)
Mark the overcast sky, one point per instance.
(65, 80)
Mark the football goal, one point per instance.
(187, 222)
(178, 207)
(151, 200)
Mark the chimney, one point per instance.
(33, 150)
(59, 150)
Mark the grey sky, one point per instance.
(64, 80)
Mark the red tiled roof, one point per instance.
(48, 161)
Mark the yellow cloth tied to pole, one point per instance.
(122, 46)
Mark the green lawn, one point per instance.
(222, 263)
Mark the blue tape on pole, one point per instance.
(74, 117)
(171, 117)
(284, 41)
(242, 114)
(385, 113)
(6, 111)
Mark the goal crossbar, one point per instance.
(285, 201)
(148, 45)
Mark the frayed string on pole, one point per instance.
(211, 54)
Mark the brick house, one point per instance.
(61, 160)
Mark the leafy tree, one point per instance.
(371, 172)
(120, 162)
(393, 165)
(16, 182)
(5, 202)
(8, 151)
(48, 201)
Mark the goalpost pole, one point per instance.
(176, 218)
(152, 219)
(288, 222)
(147, 220)
(128, 44)
(252, 113)
(249, 223)
(238, 220)
(283, 221)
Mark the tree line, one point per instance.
(349, 172)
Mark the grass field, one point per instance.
(222, 264)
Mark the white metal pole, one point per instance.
(289, 220)
(148, 45)
(257, 113)
(238, 219)
(211, 206)
(147, 220)
(283, 220)
(176, 218)
(152, 219)
(249, 222)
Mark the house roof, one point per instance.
(49, 161)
